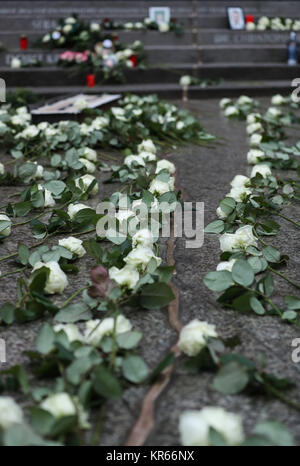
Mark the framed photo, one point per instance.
(236, 17)
(159, 14)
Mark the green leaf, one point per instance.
(156, 295)
(227, 205)
(218, 281)
(215, 227)
(45, 339)
(134, 369)
(289, 315)
(257, 306)
(73, 313)
(276, 432)
(7, 313)
(292, 302)
(38, 279)
(56, 187)
(271, 254)
(93, 249)
(41, 420)
(106, 383)
(232, 378)
(242, 273)
(128, 340)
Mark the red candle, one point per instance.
(249, 19)
(90, 80)
(23, 43)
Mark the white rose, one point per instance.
(274, 112)
(185, 81)
(57, 279)
(2, 169)
(127, 276)
(10, 412)
(59, 405)
(255, 140)
(94, 27)
(15, 63)
(241, 239)
(250, 26)
(74, 245)
(261, 168)
(220, 213)
(71, 330)
(90, 154)
(128, 25)
(74, 208)
(264, 20)
(96, 329)
(163, 27)
(39, 171)
(165, 165)
(143, 238)
(231, 110)
(244, 99)
(179, 125)
(226, 265)
(7, 230)
(253, 117)
(99, 123)
(148, 156)
(194, 426)
(134, 159)
(141, 256)
(90, 166)
(87, 180)
(239, 194)
(254, 128)
(49, 200)
(240, 181)
(46, 38)
(81, 103)
(254, 156)
(158, 187)
(70, 20)
(67, 28)
(278, 99)
(225, 102)
(18, 120)
(193, 336)
(146, 146)
(118, 113)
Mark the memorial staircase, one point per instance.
(245, 62)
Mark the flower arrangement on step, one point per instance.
(145, 24)
(110, 58)
(273, 24)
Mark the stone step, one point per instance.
(172, 90)
(50, 76)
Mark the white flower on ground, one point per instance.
(118, 113)
(147, 156)
(7, 230)
(127, 276)
(39, 171)
(10, 413)
(143, 238)
(250, 26)
(96, 329)
(146, 146)
(179, 125)
(255, 140)
(158, 187)
(2, 169)
(240, 181)
(220, 213)
(241, 239)
(16, 63)
(185, 81)
(163, 27)
(165, 165)
(73, 209)
(74, 245)
(193, 336)
(67, 28)
(57, 279)
(194, 426)
(244, 99)
(141, 256)
(278, 99)
(94, 27)
(90, 166)
(49, 200)
(81, 103)
(261, 168)
(225, 102)
(87, 180)
(59, 405)
(239, 194)
(264, 20)
(90, 154)
(254, 156)
(226, 265)
(231, 110)
(254, 128)
(71, 330)
(274, 112)
(134, 160)
(253, 118)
